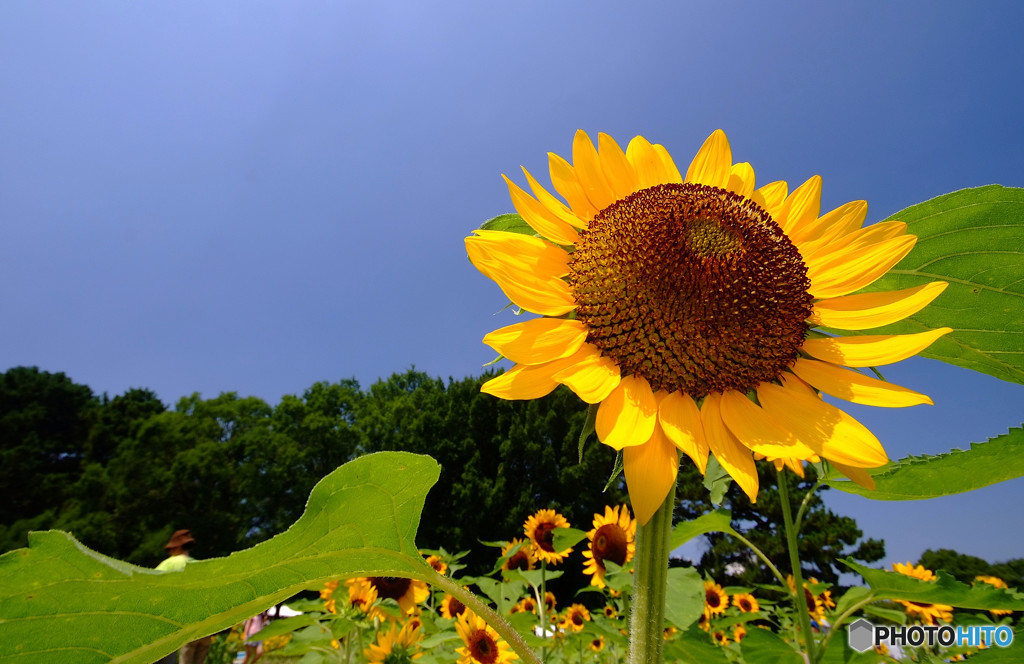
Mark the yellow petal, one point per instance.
(679, 418)
(741, 179)
(713, 162)
(801, 207)
(628, 415)
(771, 196)
(858, 475)
(856, 387)
(831, 225)
(527, 269)
(647, 163)
(593, 377)
(867, 310)
(862, 237)
(669, 170)
(555, 206)
(522, 382)
(872, 350)
(539, 340)
(617, 169)
(650, 471)
(757, 430)
(589, 173)
(540, 218)
(856, 267)
(730, 453)
(566, 183)
(830, 432)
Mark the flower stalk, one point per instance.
(794, 562)
(650, 579)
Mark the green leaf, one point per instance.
(915, 478)
(945, 590)
(684, 599)
(717, 521)
(851, 597)
(694, 646)
(892, 615)
(974, 240)
(565, 538)
(510, 223)
(59, 596)
(286, 626)
(716, 481)
(589, 427)
(765, 647)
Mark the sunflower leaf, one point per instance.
(684, 599)
(589, 427)
(360, 520)
(694, 646)
(509, 223)
(916, 478)
(566, 538)
(616, 471)
(717, 521)
(973, 239)
(763, 646)
(945, 590)
(716, 481)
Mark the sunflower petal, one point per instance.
(801, 207)
(669, 171)
(831, 225)
(771, 196)
(628, 415)
(566, 182)
(588, 171)
(539, 217)
(527, 269)
(757, 430)
(867, 310)
(872, 350)
(593, 377)
(647, 163)
(856, 267)
(712, 163)
(617, 169)
(650, 471)
(830, 432)
(858, 475)
(741, 179)
(522, 382)
(539, 340)
(863, 237)
(731, 454)
(555, 206)
(679, 418)
(856, 387)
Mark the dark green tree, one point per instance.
(965, 567)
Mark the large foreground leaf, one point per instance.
(61, 602)
(916, 478)
(973, 239)
(945, 590)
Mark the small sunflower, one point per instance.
(525, 605)
(523, 559)
(451, 607)
(745, 602)
(362, 598)
(610, 611)
(597, 645)
(720, 637)
(575, 616)
(704, 622)
(439, 565)
(815, 607)
(669, 633)
(613, 538)
(540, 528)
(998, 583)
(549, 602)
(482, 645)
(925, 612)
(673, 300)
(396, 646)
(407, 592)
(715, 599)
(327, 592)
(738, 632)
(825, 597)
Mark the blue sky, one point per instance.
(254, 196)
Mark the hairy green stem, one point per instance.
(794, 561)
(500, 625)
(799, 520)
(838, 622)
(650, 576)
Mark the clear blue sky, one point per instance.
(254, 196)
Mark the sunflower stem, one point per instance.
(542, 607)
(650, 576)
(491, 617)
(760, 554)
(842, 618)
(794, 562)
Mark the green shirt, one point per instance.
(174, 563)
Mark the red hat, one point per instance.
(179, 538)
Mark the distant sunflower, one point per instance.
(672, 300)
(720, 637)
(549, 602)
(610, 611)
(575, 616)
(525, 605)
(716, 601)
(540, 528)
(396, 645)
(815, 607)
(451, 607)
(998, 583)
(439, 565)
(407, 592)
(825, 597)
(481, 644)
(362, 598)
(738, 632)
(597, 644)
(523, 559)
(745, 602)
(923, 611)
(613, 538)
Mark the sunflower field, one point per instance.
(701, 316)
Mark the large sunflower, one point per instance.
(927, 613)
(407, 592)
(613, 538)
(684, 306)
(716, 600)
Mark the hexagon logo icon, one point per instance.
(861, 635)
